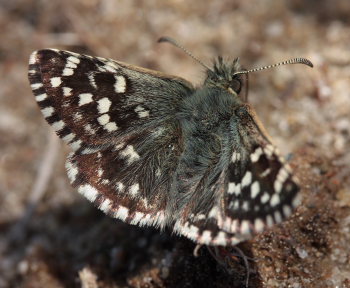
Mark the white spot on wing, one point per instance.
(71, 65)
(105, 206)
(287, 210)
(247, 179)
(137, 218)
(85, 98)
(145, 220)
(269, 221)
(200, 217)
(90, 150)
(220, 239)
(119, 146)
(32, 58)
(74, 59)
(278, 217)
(159, 219)
(265, 198)
(206, 237)
(47, 112)
(41, 97)
(193, 232)
(72, 171)
(67, 91)
(75, 145)
(245, 206)
(258, 225)
(234, 188)
(235, 156)
(36, 86)
(134, 190)
(130, 153)
(104, 60)
(143, 114)
(103, 105)
(234, 205)
(287, 167)
(122, 213)
(234, 226)
(231, 187)
(275, 200)
(68, 137)
(256, 155)
(268, 149)
(92, 80)
(58, 125)
(105, 181)
(111, 127)
(77, 116)
(88, 191)
(88, 128)
(55, 81)
(280, 179)
(245, 227)
(255, 189)
(265, 173)
(103, 120)
(227, 224)
(277, 185)
(297, 200)
(237, 190)
(109, 68)
(141, 111)
(213, 212)
(112, 64)
(67, 72)
(120, 84)
(282, 174)
(120, 186)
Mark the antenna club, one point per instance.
(290, 61)
(306, 62)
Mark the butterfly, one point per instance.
(150, 149)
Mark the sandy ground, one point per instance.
(58, 239)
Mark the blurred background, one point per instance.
(51, 237)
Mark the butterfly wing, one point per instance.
(119, 121)
(251, 188)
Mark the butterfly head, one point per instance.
(224, 76)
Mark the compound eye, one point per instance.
(236, 85)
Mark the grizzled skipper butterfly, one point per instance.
(150, 149)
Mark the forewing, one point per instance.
(119, 121)
(91, 100)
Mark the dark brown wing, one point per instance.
(119, 120)
(254, 189)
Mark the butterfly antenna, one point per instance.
(290, 61)
(173, 42)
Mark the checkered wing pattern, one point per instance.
(248, 188)
(119, 121)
